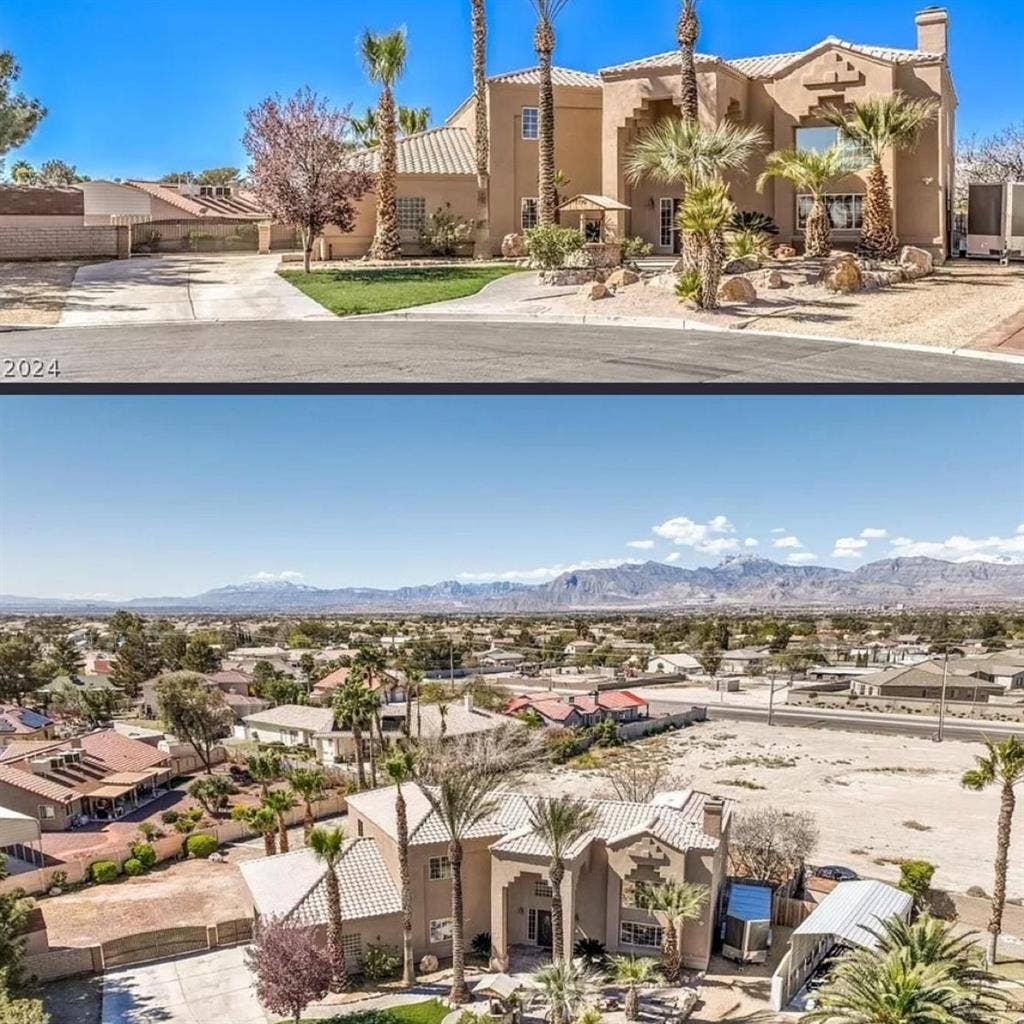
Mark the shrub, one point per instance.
(743, 244)
(381, 962)
(634, 249)
(688, 286)
(916, 879)
(481, 945)
(144, 854)
(753, 220)
(444, 231)
(550, 245)
(103, 871)
(59, 880)
(605, 734)
(148, 830)
(201, 845)
(565, 744)
(213, 792)
(133, 867)
(592, 952)
(580, 260)
(169, 817)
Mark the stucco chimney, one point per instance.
(714, 809)
(933, 30)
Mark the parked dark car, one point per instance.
(836, 873)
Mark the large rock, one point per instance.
(741, 266)
(881, 278)
(594, 291)
(784, 252)
(916, 263)
(663, 282)
(768, 279)
(513, 247)
(622, 278)
(842, 274)
(737, 289)
(569, 277)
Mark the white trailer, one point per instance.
(995, 221)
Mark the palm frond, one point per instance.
(807, 170)
(893, 121)
(384, 55)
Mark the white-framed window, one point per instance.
(529, 213)
(531, 123)
(439, 868)
(531, 924)
(441, 930)
(668, 223)
(542, 887)
(845, 212)
(640, 895)
(412, 213)
(633, 934)
(353, 946)
(818, 139)
(46, 811)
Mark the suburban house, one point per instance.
(581, 710)
(966, 679)
(100, 775)
(673, 664)
(50, 206)
(744, 660)
(578, 647)
(610, 872)
(500, 658)
(598, 117)
(18, 723)
(233, 685)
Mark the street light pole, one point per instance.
(942, 698)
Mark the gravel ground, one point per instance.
(32, 294)
(948, 310)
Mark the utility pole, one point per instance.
(942, 698)
(771, 699)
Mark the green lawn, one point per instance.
(355, 292)
(430, 1012)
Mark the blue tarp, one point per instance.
(750, 902)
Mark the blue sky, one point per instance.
(128, 496)
(140, 87)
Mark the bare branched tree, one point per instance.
(639, 782)
(768, 843)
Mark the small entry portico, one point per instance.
(600, 218)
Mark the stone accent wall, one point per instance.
(63, 243)
(39, 200)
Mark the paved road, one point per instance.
(400, 352)
(811, 718)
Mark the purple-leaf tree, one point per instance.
(303, 167)
(291, 967)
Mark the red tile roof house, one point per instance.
(100, 775)
(18, 723)
(583, 710)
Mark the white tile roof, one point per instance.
(294, 885)
(559, 76)
(293, 716)
(668, 59)
(444, 150)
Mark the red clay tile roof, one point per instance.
(120, 753)
(619, 700)
(238, 206)
(32, 783)
(556, 710)
(332, 679)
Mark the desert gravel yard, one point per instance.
(32, 294)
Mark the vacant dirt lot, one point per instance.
(32, 294)
(877, 799)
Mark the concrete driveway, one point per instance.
(172, 289)
(214, 986)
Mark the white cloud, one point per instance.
(674, 556)
(849, 547)
(874, 533)
(962, 549)
(787, 542)
(1020, 529)
(801, 558)
(751, 542)
(541, 573)
(273, 577)
(779, 529)
(642, 545)
(711, 537)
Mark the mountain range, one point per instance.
(739, 582)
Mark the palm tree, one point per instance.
(559, 823)
(890, 122)
(264, 821)
(687, 31)
(482, 140)
(410, 121)
(633, 973)
(566, 985)
(384, 59)
(400, 768)
(544, 44)
(328, 845)
(310, 784)
(279, 802)
(23, 173)
(461, 800)
(705, 212)
(413, 119)
(1002, 766)
(264, 767)
(354, 707)
(811, 173)
(677, 902)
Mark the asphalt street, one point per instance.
(411, 352)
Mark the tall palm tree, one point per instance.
(384, 58)
(1002, 766)
(811, 173)
(544, 44)
(23, 173)
(566, 986)
(705, 212)
(354, 706)
(401, 767)
(559, 823)
(876, 126)
(264, 821)
(264, 767)
(279, 802)
(328, 846)
(461, 800)
(677, 903)
(687, 31)
(482, 139)
(633, 973)
(310, 784)
(412, 120)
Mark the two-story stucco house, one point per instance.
(599, 116)
(609, 873)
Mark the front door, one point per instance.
(544, 928)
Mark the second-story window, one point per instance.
(440, 867)
(531, 123)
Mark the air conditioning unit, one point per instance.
(995, 221)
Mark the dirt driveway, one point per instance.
(32, 294)
(173, 289)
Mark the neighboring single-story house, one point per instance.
(925, 682)
(49, 206)
(673, 664)
(290, 724)
(18, 723)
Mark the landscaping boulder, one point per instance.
(594, 291)
(513, 246)
(572, 277)
(741, 266)
(622, 278)
(784, 252)
(663, 282)
(884, 277)
(737, 289)
(916, 263)
(429, 964)
(768, 279)
(842, 274)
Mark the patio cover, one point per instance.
(128, 778)
(17, 828)
(585, 203)
(109, 792)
